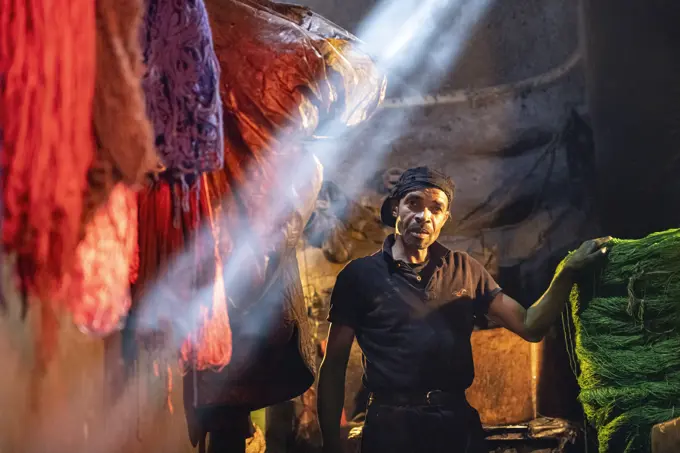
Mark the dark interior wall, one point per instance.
(633, 83)
(513, 41)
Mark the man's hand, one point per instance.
(533, 323)
(588, 253)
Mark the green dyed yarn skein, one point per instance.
(626, 319)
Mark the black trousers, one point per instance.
(422, 429)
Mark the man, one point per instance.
(412, 307)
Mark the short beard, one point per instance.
(413, 243)
(409, 241)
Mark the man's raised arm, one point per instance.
(533, 323)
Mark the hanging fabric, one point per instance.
(266, 116)
(281, 83)
(75, 138)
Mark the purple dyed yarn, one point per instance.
(181, 85)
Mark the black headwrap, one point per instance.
(415, 179)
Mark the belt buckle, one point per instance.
(428, 396)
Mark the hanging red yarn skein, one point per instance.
(47, 67)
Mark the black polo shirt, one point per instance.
(414, 329)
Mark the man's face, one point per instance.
(421, 214)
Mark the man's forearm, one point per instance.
(543, 313)
(330, 401)
(532, 324)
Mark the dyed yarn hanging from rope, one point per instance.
(125, 150)
(627, 324)
(179, 289)
(47, 78)
(99, 284)
(125, 154)
(209, 346)
(181, 86)
(184, 105)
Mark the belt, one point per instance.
(431, 398)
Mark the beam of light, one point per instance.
(406, 37)
(420, 40)
(414, 16)
(424, 61)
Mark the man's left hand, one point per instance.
(588, 253)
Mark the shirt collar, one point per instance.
(437, 251)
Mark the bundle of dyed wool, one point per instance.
(47, 78)
(181, 86)
(184, 105)
(125, 149)
(99, 284)
(180, 270)
(70, 214)
(99, 294)
(627, 337)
